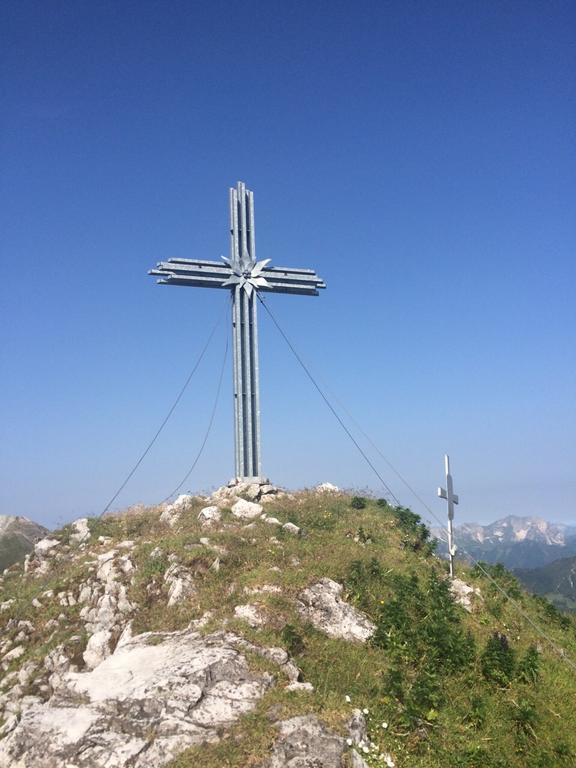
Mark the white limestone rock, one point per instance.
(223, 496)
(292, 528)
(105, 605)
(228, 494)
(27, 672)
(210, 515)
(268, 490)
(305, 741)
(180, 583)
(44, 551)
(300, 687)
(251, 614)
(246, 510)
(156, 695)
(81, 531)
(464, 594)
(14, 654)
(321, 604)
(250, 491)
(172, 513)
(98, 648)
(327, 488)
(264, 589)
(44, 547)
(357, 728)
(127, 544)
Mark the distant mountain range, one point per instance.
(17, 537)
(516, 542)
(541, 554)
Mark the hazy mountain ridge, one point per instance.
(516, 529)
(516, 542)
(17, 537)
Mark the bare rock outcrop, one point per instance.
(305, 742)
(247, 510)
(172, 512)
(321, 604)
(261, 492)
(44, 553)
(210, 515)
(327, 488)
(156, 695)
(251, 614)
(80, 531)
(105, 605)
(464, 594)
(180, 583)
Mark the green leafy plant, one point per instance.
(529, 666)
(478, 710)
(364, 537)
(525, 718)
(416, 534)
(293, 640)
(358, 502)
(498, 661)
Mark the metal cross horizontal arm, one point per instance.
(214, 274)
(243, 276)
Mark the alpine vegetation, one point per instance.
(266, 629)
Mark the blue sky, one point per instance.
(418, 155)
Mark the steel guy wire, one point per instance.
(326, 400)
(557, 648)
(209, 427)
(166, 418)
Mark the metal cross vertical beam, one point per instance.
(452, 499)
(243, 276)
(245, 333)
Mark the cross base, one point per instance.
(249, 480)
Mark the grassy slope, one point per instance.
(13, 547)
(467, 720)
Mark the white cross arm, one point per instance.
(442, 493)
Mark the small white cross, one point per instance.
(452, 499)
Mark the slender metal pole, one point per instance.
(254, 362)
(238, 405)
(255, 386)
(237, 341)
(449, 490)
(452, 499)
(247, 380)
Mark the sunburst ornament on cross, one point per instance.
(247, 274)
(244, 277)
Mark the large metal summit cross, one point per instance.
(243, 276)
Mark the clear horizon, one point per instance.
(419, 157)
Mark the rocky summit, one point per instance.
(256, 628)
